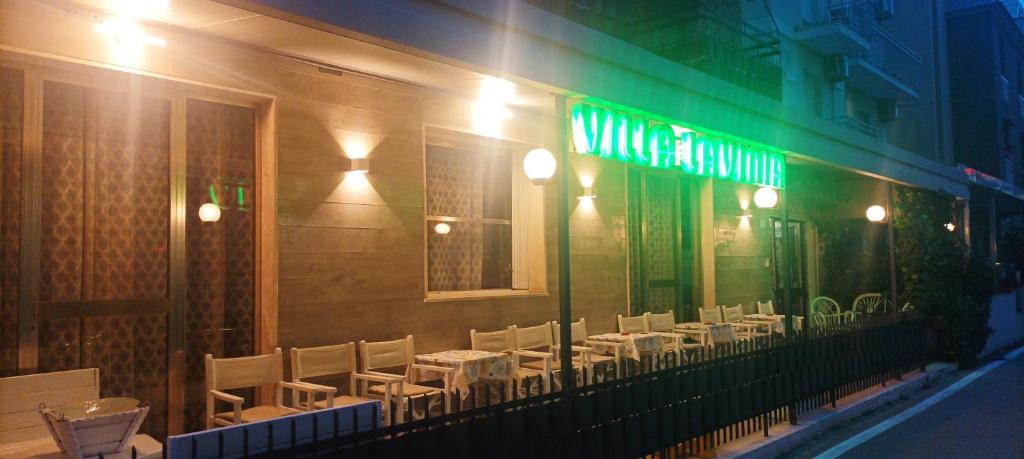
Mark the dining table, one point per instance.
(708, 334)
(635, 343)
(470, 366)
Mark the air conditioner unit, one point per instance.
(837, 68)
(885, 9)
(888, 110)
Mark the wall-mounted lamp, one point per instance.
(209, 212)
(876, 214)
(442, 228)
(766, 198)
(950, 227)
(127, 34)
(747, 213)
(359, 165)
(588, 193)
(539, 166)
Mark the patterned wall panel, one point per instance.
(11, 126)
(660, 251)
(221, 255)
(105, 232)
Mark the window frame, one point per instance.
(529, 268)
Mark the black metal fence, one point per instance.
(701, 402)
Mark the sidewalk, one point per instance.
(785, 437)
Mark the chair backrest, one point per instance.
(635, 324)
(496, 341)
(577, 329)
(907, 307)
(387, 354)
(733, 314)
(818, 319)
(242, 372)
(20, 397)
(766, 307)
(868, 303)
(825, 305)
(711, 315)
(663, 322)
(535, 337)
(312, 362)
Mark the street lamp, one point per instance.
(540, 166)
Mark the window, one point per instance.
(477, 215)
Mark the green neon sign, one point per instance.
(607, 133)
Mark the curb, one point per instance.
(784, 438)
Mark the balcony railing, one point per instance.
(858, 125)
(857, 15)
(697, 33)
(886, 50)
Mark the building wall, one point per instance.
(351, 256)
(974, 74)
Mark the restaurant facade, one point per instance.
(190, 178)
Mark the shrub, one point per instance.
(950, 285)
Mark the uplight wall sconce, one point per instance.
(359, 165)
(588, 193)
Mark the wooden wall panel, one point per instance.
(350, 256)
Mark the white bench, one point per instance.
(22, 431)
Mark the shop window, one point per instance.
(476, 215)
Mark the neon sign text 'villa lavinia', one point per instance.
(612, 134)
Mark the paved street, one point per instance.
(983, 420)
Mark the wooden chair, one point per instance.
(734, 316)
(664, 325)
(504, 341)
(870, 303)
(635, 324)
(594, 357)
(245, 372)
(400, 353)
(336, 360)
(536, 341)
(766, 307)
(711, 315)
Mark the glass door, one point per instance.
(797, 265)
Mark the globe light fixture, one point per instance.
(209, 212)
(442, 228)
(876, 214)
(539, 165)
(950, 227)
(766, 198)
